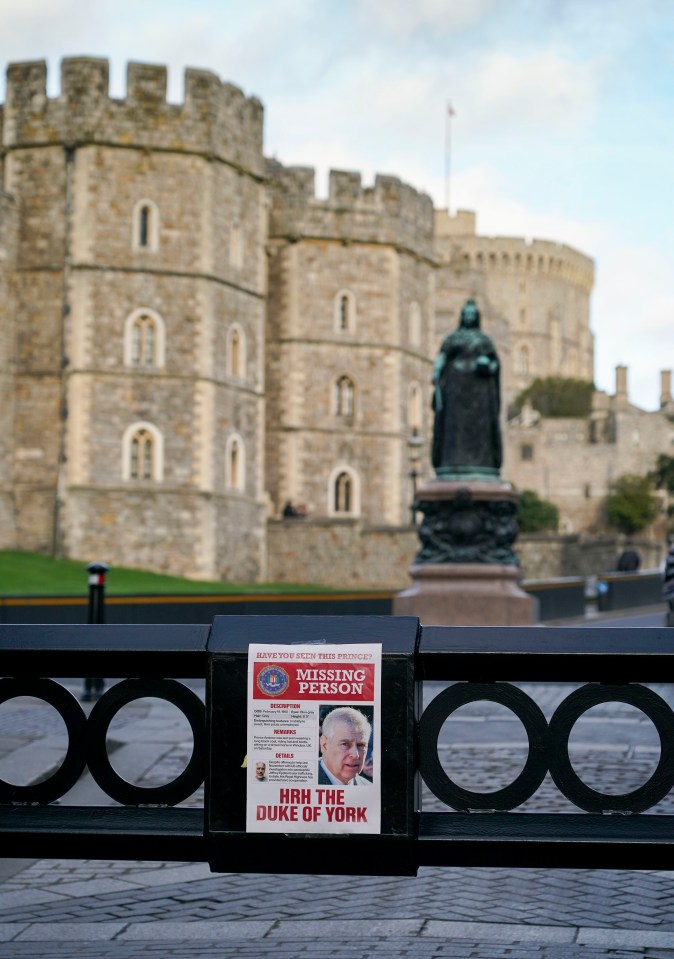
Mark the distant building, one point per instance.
(574, 462)
(189, 338)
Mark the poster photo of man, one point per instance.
(345, 746)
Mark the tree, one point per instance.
(632, 504)
(536, 515)
(558, 396)
(663, 477)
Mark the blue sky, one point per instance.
(564, 126)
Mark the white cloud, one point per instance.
(542, 95)
(542, 88)
(36, 28)
(403, 18)
(487, 190)
(633, 308)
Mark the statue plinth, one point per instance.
(466, 572)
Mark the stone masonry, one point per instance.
(190, 338)
(84, 170)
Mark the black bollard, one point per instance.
(93, 687)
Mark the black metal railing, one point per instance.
(462, 826)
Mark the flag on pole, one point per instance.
(448, 149)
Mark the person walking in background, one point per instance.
(629, 560)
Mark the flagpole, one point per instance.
(449, 113)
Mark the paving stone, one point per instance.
(303, 916)
(500, 932)
(636, 938)
(10, 930)
(180, 931)
(70, 931)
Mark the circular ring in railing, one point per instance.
(102, 715)
(74, 761)
(526, 710)
(563, 773)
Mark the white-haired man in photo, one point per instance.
(344, 742)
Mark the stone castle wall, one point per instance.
(389, 213)
(573, 464)
(216, 119)
(328, 547)
(385, 554)
(240, 250)
(7, 310)
(535, 296)
(197, 271)
(372, 247)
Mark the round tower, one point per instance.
(535, 292)
(140, 309)
(7, 335)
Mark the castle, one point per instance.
(190, 338)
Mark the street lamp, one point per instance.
(414, 444)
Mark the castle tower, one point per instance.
(349, 345)
(622, 400)
(7, 333)
(534, 295)
(141, 319)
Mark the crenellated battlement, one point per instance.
(509, 254)
(390, 212)
(215, 119)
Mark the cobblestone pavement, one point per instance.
(123, 910)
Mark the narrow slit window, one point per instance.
(344, 395)
(146, 225)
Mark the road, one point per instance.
(124, 910)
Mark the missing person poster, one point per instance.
(314, 744)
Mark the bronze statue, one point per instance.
(466, 402)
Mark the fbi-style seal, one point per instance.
(273, 680)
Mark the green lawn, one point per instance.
(32, 574)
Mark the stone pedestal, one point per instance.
(466, 572)
(465, 594)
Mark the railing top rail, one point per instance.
(71, 650)
(571, 654)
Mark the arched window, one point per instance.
(236, 352)
(345, 311)
(344, 492)
(415, 324)
(146, 226)
(344, 396)
(522, 361)
(235, 463)
(414, 407)
(236, 246)
(142, 453)
(144, 340)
